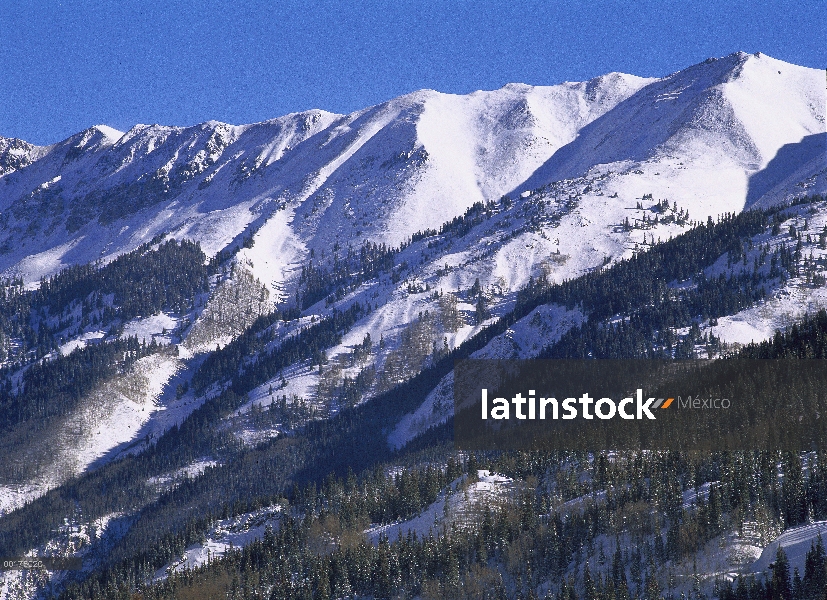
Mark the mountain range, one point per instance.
(296, 270)
(729, 133)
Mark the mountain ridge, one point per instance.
(373, 174)
(201, 317)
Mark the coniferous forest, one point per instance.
(600, 525)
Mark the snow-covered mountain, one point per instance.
(727, 118)
(560, 171)
(714, 137)
(469, 198)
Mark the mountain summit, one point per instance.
(202, 327)
(715, 137)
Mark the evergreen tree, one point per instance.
(780, 584)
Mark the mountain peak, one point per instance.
(416, 161)
(516, 87)
(109, 132)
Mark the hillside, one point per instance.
(202, 328)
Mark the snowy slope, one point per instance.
(796, 543)
(576, 159)
(698, 136)
(117, 414)
(461, 504)
(703, 136)
(16, 154)
(224, 536)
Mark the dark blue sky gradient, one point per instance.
(68, 65)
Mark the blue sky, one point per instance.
(72, 64)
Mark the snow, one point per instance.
(716, 127)
(117, 412)
(148, 328)
(795, 542)
(88, 540)
(723, 557)
(517, 260)
(81, 341)
(168, 481)
(785, 304)
(13, 496)
(110, 132)
(759, 323)
(114, 416)
(778, 84)
(276, 253)
(34, 266)
(459, 503)
(691, 495)
(540, 328)
(225, 535)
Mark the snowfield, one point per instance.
(109, 420)
(307, 180)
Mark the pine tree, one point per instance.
(780, 583)
(815, 570)
(792, 490)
